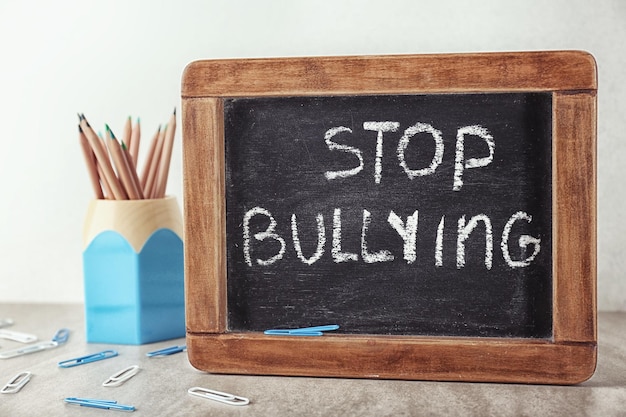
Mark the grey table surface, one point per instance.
(160, 387)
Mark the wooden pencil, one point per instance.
(149, 159)
(126, 133)
(121, 166)
(90, 160)
(150, 187)
(135, 138)
(108, 193)
(132, 169)
(112, 164)
(166, 156)
(103, 160)
(127, 138)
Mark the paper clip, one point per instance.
(104, 404)
(16, 383)
(6, 322)
(222, 397)
(303, 331)
(167, 351)
(122, 376)
(17, 336)
(59, 338)
(105, 354)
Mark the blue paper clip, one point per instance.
(303, 331)
(105, 354)
(61, 336)
(103, 404)
(167, 351)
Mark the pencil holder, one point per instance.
(133, 271)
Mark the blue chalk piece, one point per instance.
(134, 298)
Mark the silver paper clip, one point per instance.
(59, 338)
(6, 322)
(222, 397)
(105, 354)
(167, 351)
(122, 376)
(303, 331)
(17, 336)
(16, 383)
(103, 404)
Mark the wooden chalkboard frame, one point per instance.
(569, 357)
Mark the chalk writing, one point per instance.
(408, 230)
(395, 214)
(460, 164)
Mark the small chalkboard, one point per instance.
(426, 196)
(440, 209)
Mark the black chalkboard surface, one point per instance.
(391, 214)
(441, 209)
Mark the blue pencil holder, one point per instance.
(133, 271)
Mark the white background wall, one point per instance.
(111, 59)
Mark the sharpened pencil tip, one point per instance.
(174, 111)
(80, 129)
(124, 147)
(110, 132)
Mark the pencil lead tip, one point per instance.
(111, 132)
(174, 111)
(80, 129)
(124, 147)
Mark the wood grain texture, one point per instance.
(136, 220)
(205, 260)
(575, 217)
(387, 357)
(568, 358)
(521, 71)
